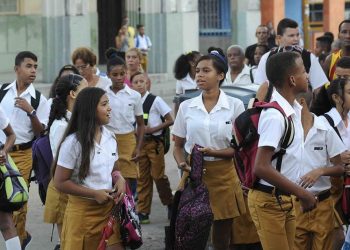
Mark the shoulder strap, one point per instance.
(147, 104)
(331, 122)
(305, 55)
(251, 75)
(3, 91)
(35, 102)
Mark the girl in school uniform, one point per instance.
(67, 89)
(126, 113)
(86, 159)
(207, 120)
(7, 226)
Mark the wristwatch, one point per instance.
(32, 114)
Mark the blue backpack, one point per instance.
(42, 160)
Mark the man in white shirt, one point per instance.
(238, 72)
(143, 43)
(29, 113)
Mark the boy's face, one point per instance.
(318, 49)
(290, 37)
(342, 72)
(139, 84)
(301, 78)
(26, 71)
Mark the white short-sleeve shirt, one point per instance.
(4, 121)
(102, 160)
(185, 84)
(343, 130)
(159, 108)
(57, 130)
(317, 77)
(271, 129)
(213, 129)
(103, 82)
(242, 78)
(126, 104)
(321, 144)
(19, 119)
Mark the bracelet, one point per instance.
(115, 176)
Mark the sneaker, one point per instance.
(26, 241)
(57, 247)
(170, 211)
(144, 218)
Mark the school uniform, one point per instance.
(275, 219)
(338, 182)
(214, 130)
(125, 105)
(56, 201)
(243, 78)
(315, 228)
(152, 163)
(85, 218)
(185, 84)
(22, 152)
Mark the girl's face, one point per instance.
(132, 60)
(207, 76)
(259, 52)
(103, 111)
(117, 75)
(139, 83)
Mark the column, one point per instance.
(272, 10)
(333, 14)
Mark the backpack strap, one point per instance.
(3, 91)
(34, 102)
(147, 104)
(331, 122)
(251, 75)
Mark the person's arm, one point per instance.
(167, 123)
(179, 155)
(327, 64)
(10, 139)
(139, 138)
(264, 170)
(220, 153)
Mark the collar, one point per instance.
(30, 89)
(245, 71)
(126, 89)
(334, 114)
(222, 102)
(143, 98)
(68, 114)
(188, 78)
(319, 123)
(288, 109)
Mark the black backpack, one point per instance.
(165, 136)
(34, 102)
(305, 55)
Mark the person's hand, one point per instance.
(136, 155)
(345, 157)
(22, 103)
(2, 157)
(184, 167)
(310, 178)
(119, 189)
(103, 196)
(206, 151)
(308, 201)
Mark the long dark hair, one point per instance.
(324, 101)
(59, 104)
(67, 67)
(182, 64)
(84, 124)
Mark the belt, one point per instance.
(22, 146)
(269, 189)
(321, 196)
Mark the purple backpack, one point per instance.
(194, 215)
(42, 160)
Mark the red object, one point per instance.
(108, 229)
(346, 198)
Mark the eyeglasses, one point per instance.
(82, 67)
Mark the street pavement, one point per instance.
(153, 234)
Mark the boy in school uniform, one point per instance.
(151, 162)
(270, 201)
(28, 112)
(314, 229)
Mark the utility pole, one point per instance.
(306, 23)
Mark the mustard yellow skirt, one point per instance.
(83, 223)
(126, 146)
(55, 205)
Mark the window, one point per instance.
(9, 7)
(316, 12)
(214, 18)
(347, 10)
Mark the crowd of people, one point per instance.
(103, 126)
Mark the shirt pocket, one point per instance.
(129, 110)
(320, 154)
(224, 130)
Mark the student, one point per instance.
(65, 70)
(151, 162)
(260, 50)
(86, 159)
(7, 226)
(288, 35)
(185, 70)
(85, 61)
(333, 100)
(321, 159)
(127, 111)
(270, 202)
(144, 44)
(28, 112)
(342, 68)
(67, 89)
(207, 120)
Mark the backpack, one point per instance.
(42, 159)
(194, 216)
(34, 102)
(246, 141)
(164, 138)
(343, 206)
(13, 189)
